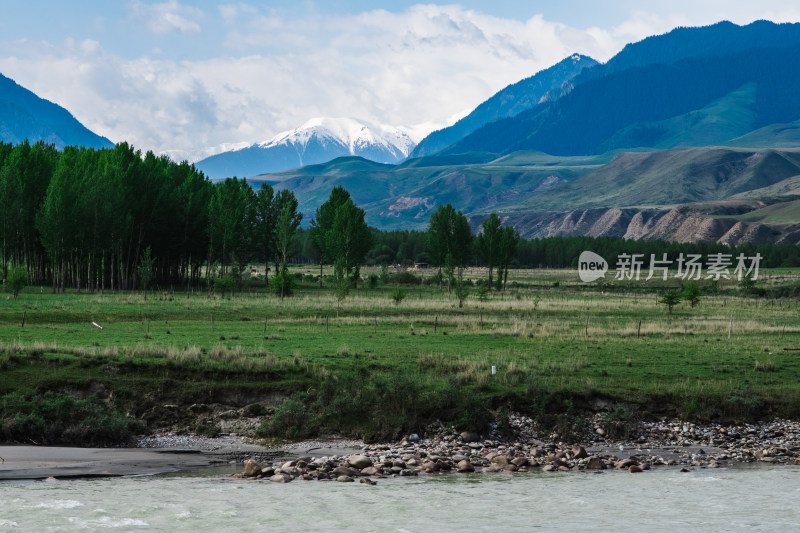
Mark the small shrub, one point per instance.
(483, 292)
(398, 295)
(225, 284)
(372, 281)
(290, 421)
(282, 283)
(671, 298)
(17, 279)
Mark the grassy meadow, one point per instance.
(372, 367)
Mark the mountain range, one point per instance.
(509, 102)
(23, 115)
(317, 141)
(690, 135)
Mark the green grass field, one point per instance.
(371, 367)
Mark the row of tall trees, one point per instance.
(84, 218)
(91, 219)
(451, 246)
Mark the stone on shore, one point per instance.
(465, 466)
(595, 463)
(359, 461)
(344, 471)
(579, 452)
(252, 468)
(470, 436)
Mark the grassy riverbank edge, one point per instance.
(374, 368)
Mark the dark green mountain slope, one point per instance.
(508, 102)
(23, 115)
(633, 108)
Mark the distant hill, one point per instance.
(690, 87)
(691, 135)
(508, 102)
(317, 141)
(23, 115)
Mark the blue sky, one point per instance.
(191, 78)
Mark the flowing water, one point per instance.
(736, 499)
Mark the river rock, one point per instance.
(344, 471)
(465, 466)
(359, 461)
(625, 463)
(252, 468)
(280, 478)
(345, 479)
(595, 463)
(635, 469)
(519, 461)
(370, 471)
(469, 436)
(579, 452)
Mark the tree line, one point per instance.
(92, 219)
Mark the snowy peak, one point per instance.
(319, 140)
(359, 138)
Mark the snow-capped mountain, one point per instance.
(317, 141)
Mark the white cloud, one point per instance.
(271, 72)
(166, 17)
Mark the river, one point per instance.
(735, 499)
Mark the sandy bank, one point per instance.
(158, 454)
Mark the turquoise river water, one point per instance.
(736, 499)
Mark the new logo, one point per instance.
(591, 267)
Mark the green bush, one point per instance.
(225, 284)
(282, 283)
(290, 421)
(17, 279)
(372, 281)
(483, 292)
(63, 419)
(398, 295)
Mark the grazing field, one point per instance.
(369, 366)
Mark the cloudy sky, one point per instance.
(190, 77)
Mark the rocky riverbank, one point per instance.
(439, 450)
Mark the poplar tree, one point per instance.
(488, 244)
(323, 222)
